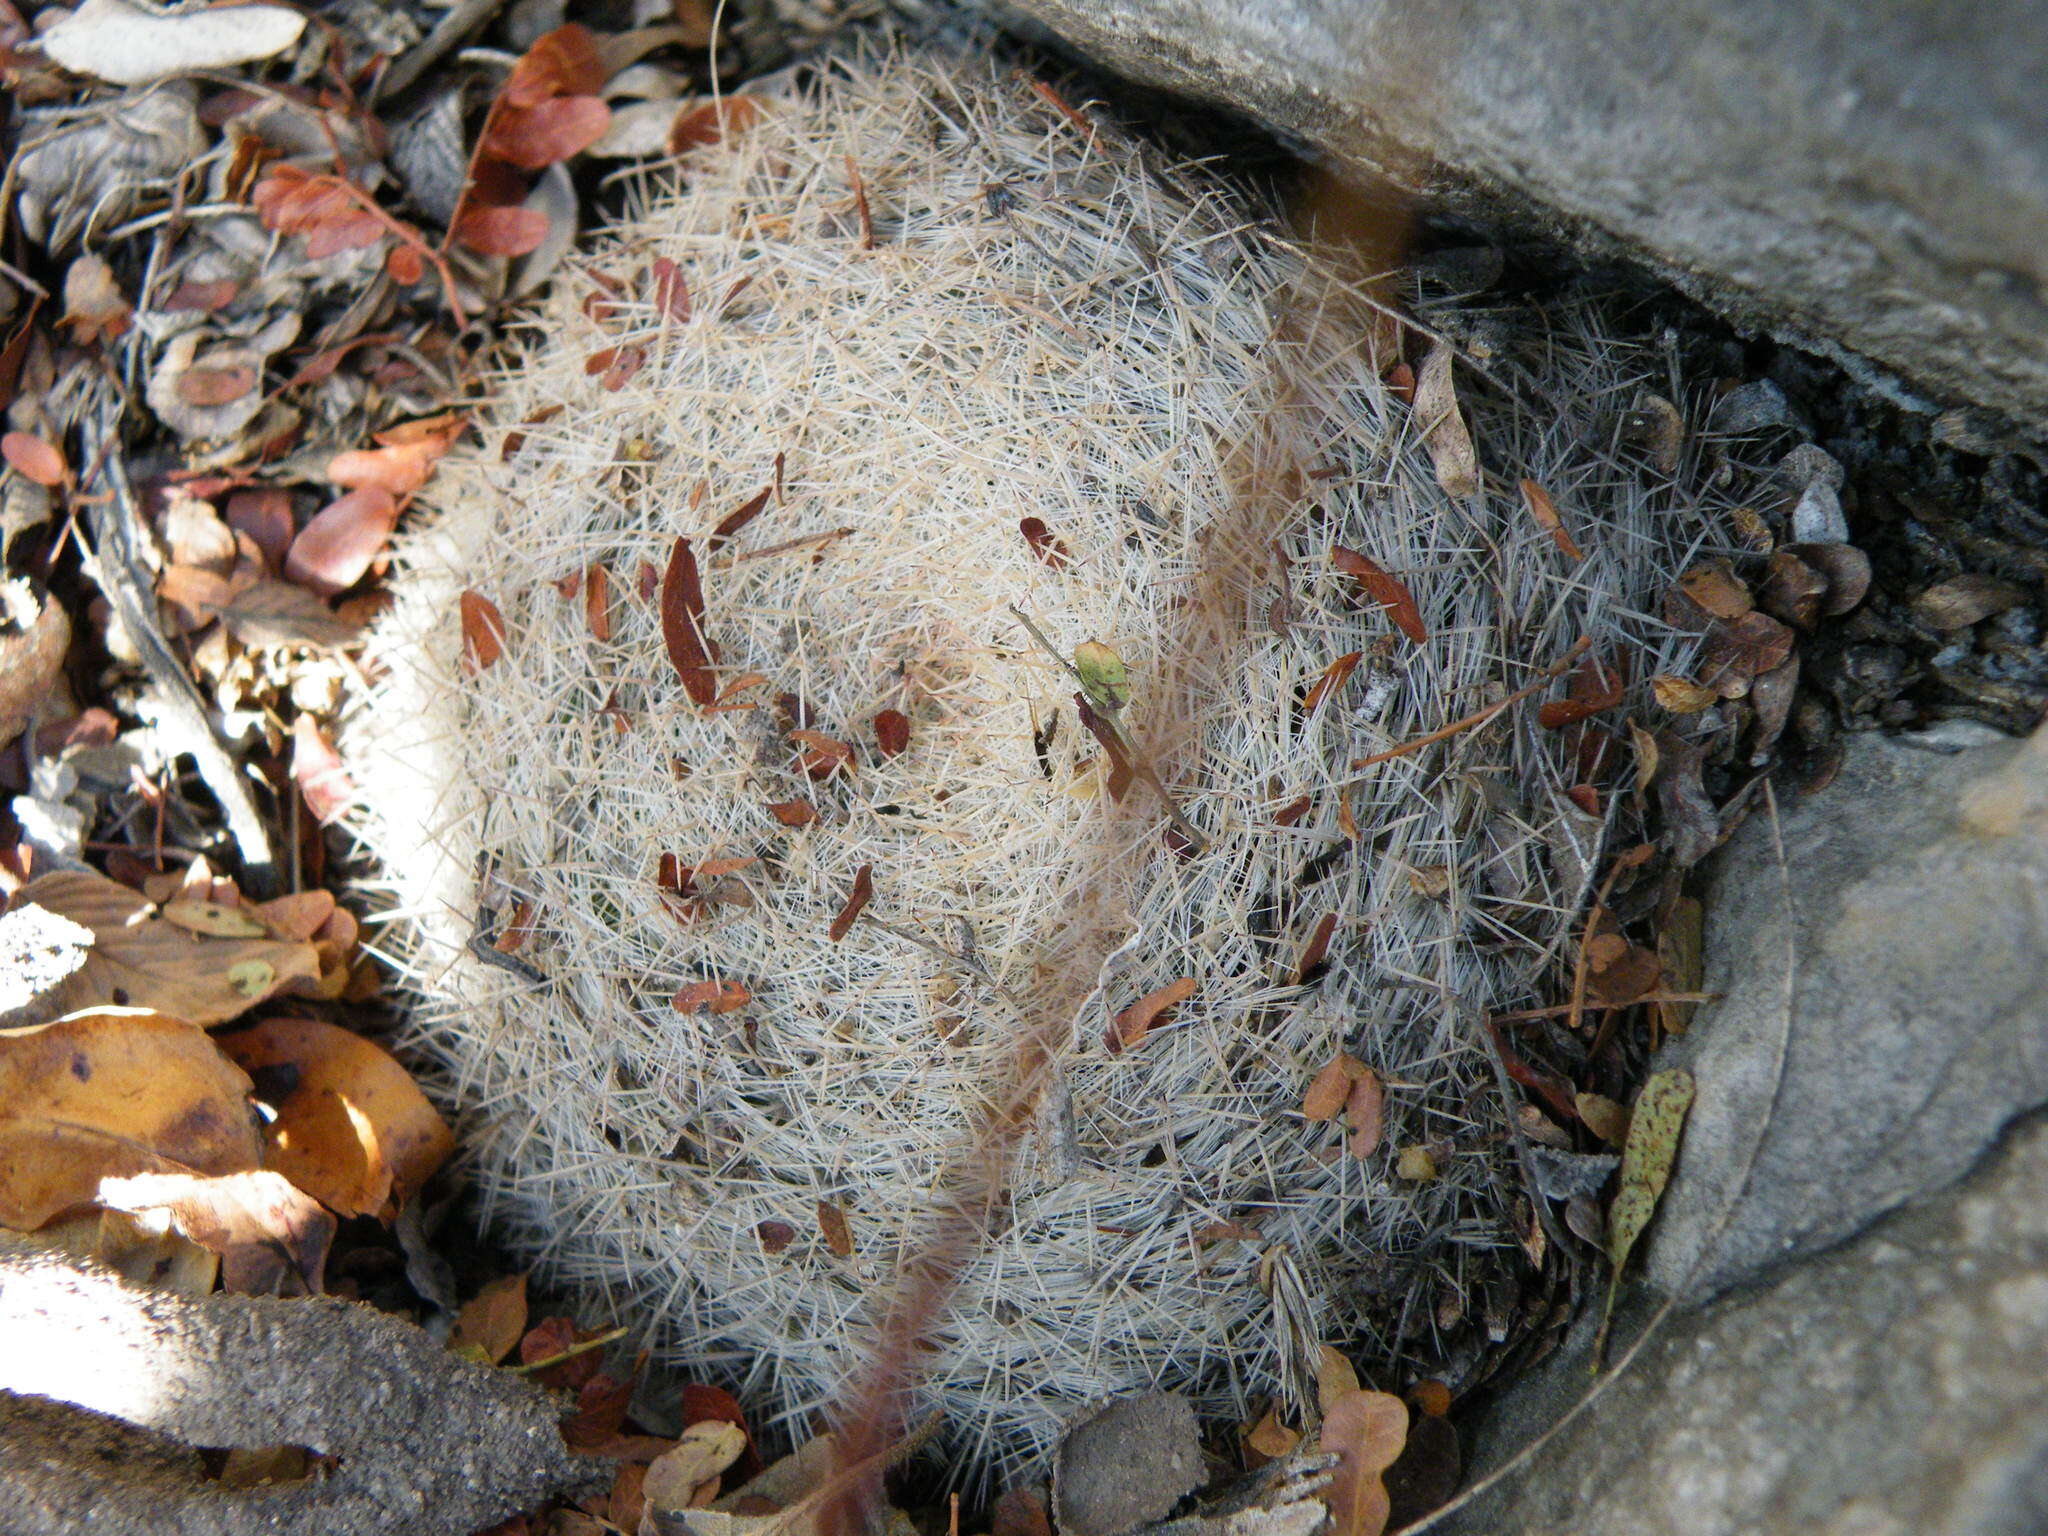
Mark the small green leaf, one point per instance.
(252, 978)
(1103, 677)
(1646, 1161)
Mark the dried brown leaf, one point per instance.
(483, 631)
(34, 458)
(1366, 1431)
(1047, 545)
(1334, 677)
(271, 1237)
(682, 626)
(1383, 588)
(140, 960)
(892, 732)
(713, 997)
(837, 1233)
(335, 548)
(490, 1323)
(1130, 1027)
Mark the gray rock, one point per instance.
(1126, 1464)
(1757, 406)
(1864, 177)
(1817, 517)
(1906, 989)
(1893, 1387)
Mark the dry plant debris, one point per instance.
(1082, 470)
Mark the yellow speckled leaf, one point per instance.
(1653, 1133)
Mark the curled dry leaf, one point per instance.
(336, 547)
(822, 756)
(703, 1452)
(1680, 695)
(1335, 675)
(536, 137)
(405, 457)
(94, 307)
(856, 902)
(1330, 1088)
(597, 603)
(483, 630)
(352, 1129)
(1366, 1113)
(793, 813)
(141, 960)
(1717, 589)
(1544, 510)
(271, 1237)
(1739, 650)
(1367, 1432)
(1443, 425)
(1383, 588)
(1130, 1027)
(108, 1093)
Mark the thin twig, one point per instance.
(1479, 717)
(115, 527)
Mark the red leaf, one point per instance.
(536, 137)
(1594, 687)
(775, 1236)
(483, 631)
(623, 365)
(405, 264)
(713, 997)
(892, 732)
(822, 755)
(735, 520)
(328, 210)
(1558, 1093)
(709, 121)
(1383, 589)
(1121, 770)
(1317, 949)
(501, 231)
(1045, 544)
(1135, 1022)
(564, 62)
(34, 458)
(398, 470)
(333, 551)
(863, 892)
(682, 626)
(793, 813)
(317, 770)
(1291, 812)
(671, 293)
(1334, 677)
(597, 603)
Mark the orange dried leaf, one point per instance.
(793, 813)
(1317, 950)
(490, 1323)
(1367, 1431)
(1365, 1111)
(863, 892)
(1330, 1089)
(1544, 510)
(1383, 588)
(1334, 677)
(483, 631)
(833, 1224)
(597, 603)
(108, 1093)
(712, 997)
(682, 626)
(735, 520)
(353, 1130)
(1135, 1022)
(1717, 589)
(822, 755)
(34, 458)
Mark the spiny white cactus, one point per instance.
(923, 304)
